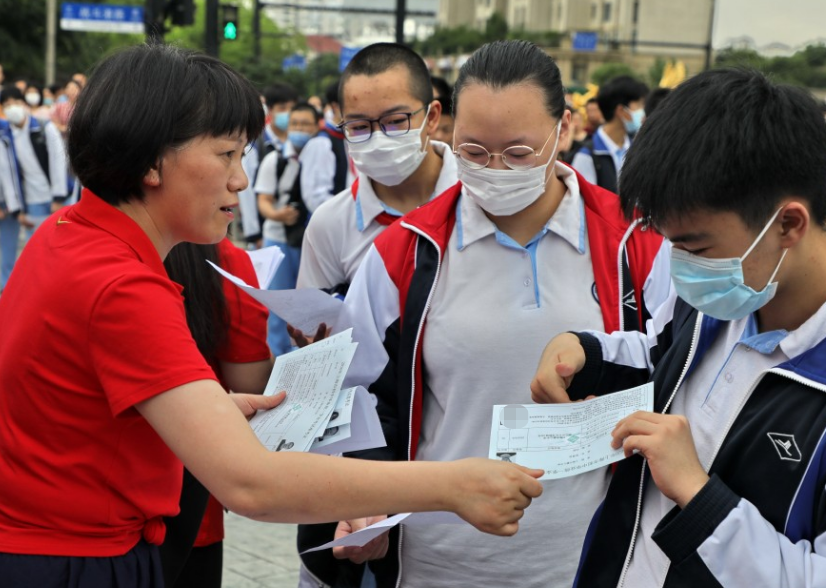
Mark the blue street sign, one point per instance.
(347, 53)
(101, 18)
(584, 41)
(298, 62)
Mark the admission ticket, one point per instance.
(564, 439)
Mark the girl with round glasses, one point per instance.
(453, 305)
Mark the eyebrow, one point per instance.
(393, 110)
(689, 238)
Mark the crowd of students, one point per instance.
(676, 248)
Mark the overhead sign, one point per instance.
(584, 41)
(298, 62)
(101, 18)
(347, 53)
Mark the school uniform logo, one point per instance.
(786, 446)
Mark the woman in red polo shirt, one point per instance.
(105, 393)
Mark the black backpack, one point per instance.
(294, 233)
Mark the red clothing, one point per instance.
(246, 342)
(91, 325)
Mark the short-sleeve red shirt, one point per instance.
(246, 342)
(90, 325)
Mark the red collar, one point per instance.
(384, 218)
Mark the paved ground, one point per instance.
(259, 555)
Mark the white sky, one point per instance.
(792, 22)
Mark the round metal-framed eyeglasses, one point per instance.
(516, 157)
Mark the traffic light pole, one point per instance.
(256, 30)
(211, 29)
(401, 13)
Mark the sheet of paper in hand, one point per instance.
(304, 309)
(564, 439)
(312, 378)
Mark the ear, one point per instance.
(795, 221)
(152, 178)
(433, 117)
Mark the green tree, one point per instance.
(275, 44)
(496, 28)
(805, 68)
(655, 72)
(23, 42)
(609, 70)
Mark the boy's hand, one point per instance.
(665, 441)
(563, 357)
(375, 549)
(302, 340)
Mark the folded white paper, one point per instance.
(364, 536)
(304, 309)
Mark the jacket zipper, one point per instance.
(413, 368)
(620, 254)
(640, 495)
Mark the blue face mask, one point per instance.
(634, 125)
(282, 121)
(298, 138)
(716, 287)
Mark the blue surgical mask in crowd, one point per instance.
(716, 287)
(298, 138)
(48, 101)
(634, 125)
(282, 121)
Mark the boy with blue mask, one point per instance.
(622, 103)
(282, 204)
(726, 476)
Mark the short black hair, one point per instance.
(592, 101)
(714, 145)
(447, 106)
(307, 107)
(506, 63)
(11, 93)
(331, 93)
(621, 90)
(443, 89)
(280, 93)
(380, 57)
(654, 99)
(146, 99)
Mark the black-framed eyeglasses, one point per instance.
(516, 157)
(392, 125)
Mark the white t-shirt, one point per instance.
(266, 183)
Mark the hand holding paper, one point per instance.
(564, 439)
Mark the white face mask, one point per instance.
(503, 192)
(390, 160)
(33, 98)
(15, 114)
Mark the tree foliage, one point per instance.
(609, 70)
(805, 68)
(23, 42)
(464, 39)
